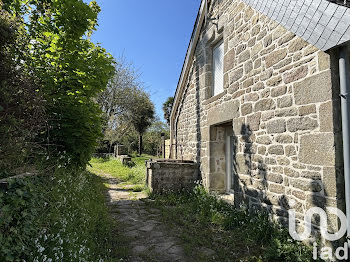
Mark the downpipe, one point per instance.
(344, 76)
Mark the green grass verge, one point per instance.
(134, 175)
(213, 230)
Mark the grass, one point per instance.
(213, 230)
(209, 228)
(129, 175)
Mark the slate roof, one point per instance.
(322, 23)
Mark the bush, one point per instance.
(20, 209)
(22, 107)
(70, 72)
(62, 217)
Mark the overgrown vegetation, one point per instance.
(133, 174)
(210, 228)
(151, 139)
(62, 217)
(213, 230)
(22, 107)
(50, 76)
(50, 53)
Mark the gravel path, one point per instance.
(149, 238)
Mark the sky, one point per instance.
(151, 34)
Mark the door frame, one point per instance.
(229, 162)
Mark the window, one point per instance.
(218, 68)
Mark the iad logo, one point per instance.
(323, 224)
(326, 252)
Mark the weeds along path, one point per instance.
(149, 240)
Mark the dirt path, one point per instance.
(149, 238)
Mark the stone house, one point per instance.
(257, 105)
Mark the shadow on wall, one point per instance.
(254, 179)
(256, 173)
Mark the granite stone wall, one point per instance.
(281, 103)
(164, 176)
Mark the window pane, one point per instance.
(218, 69)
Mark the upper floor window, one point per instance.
(218, 68)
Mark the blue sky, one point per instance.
(153, 35)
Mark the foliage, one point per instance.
(118, 98)
(62, 217)
(152, 138)
(234, 234)
(19, 211)
(129, 139)
(142, 114)
(126, 105)
(151, 141)
(22, 107)
(167, 107)
(126, 174)
(50, 76)
(71, 69)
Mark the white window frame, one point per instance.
(218, 69)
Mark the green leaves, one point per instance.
(17, 220)
(167, 107)
(72, 71)
(39, 216)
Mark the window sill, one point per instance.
(214, 98)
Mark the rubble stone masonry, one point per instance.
(281, 104)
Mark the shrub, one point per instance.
(20, 208)
(22, 107)
(70, 70)
(62, 217)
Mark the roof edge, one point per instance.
(189, 53)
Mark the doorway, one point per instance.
(221, 157)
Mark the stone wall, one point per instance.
(280, 98)
(167, 175)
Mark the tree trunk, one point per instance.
(140, 144)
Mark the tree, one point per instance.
(167, 106)
(126, 105)
(71, 69)
(142, 115)
(152, 138)
(118, 96)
